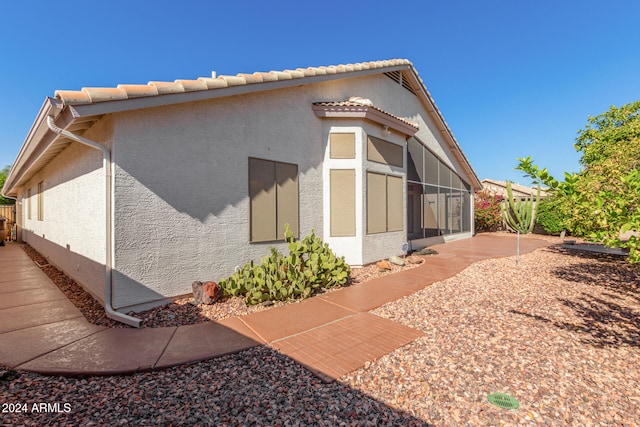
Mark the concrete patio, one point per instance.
(331, 334)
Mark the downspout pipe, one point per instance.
(109, 255)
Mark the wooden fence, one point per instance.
(9, 212)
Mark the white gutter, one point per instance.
(109, 255)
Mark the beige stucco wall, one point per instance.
(181, 208)
(181, 182)
(72, 232)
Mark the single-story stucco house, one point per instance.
(136, 191)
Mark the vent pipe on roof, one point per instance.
(108, 286)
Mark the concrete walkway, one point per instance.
(332, 334)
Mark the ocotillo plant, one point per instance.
(519, 215)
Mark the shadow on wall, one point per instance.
(610, 317)
(90, 275)
(195, 157)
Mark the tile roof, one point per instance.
(360, 104)
(91, 95)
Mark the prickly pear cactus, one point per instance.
(310, 266)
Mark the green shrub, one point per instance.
(310, 266)
(487, 215)
(550, 216)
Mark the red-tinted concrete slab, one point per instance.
(238, 325)
(26, 316)
(112, 351)
(193, 343)
(340, 347)
(367, 296)
(30, 296)
(20, 346)
(407, 282)
(483, 246)
(294, 318)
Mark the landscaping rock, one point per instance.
(206, 293)
(396, 260)
(383, 265)
(412, 259)
(426, 251)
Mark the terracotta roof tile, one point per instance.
(282, 75)
(268, 77)
(192, 85)
(234, 80)
(361, 103)
(251, 78)
(138, 91)
(73, 97)
(102, 94)
(213, 83)
(154, 88)
(295, 74)
(164, 87)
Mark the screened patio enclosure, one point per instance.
(438, 200)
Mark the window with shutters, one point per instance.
(273, 195)
(384, 203)
(41, 201)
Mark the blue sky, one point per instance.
(512, 78)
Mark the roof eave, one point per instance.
(107, 107)
(433, 110)
(32, 146)
(368, 113)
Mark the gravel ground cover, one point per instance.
(181, 311)
(560, 332)
(256, 387)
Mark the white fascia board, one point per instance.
(32, 146)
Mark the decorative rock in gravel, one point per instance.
(206, 293)
(426, 251)
(383, 265)
(396, 260)
(412, 259)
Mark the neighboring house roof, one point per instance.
(77, 110)
(518, 190)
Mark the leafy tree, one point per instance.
(603, 136)
(603, 199)
(550, 215)
(3, 177)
